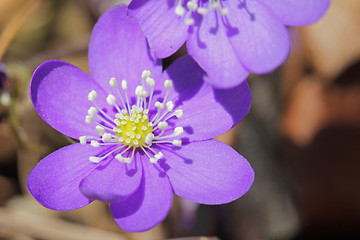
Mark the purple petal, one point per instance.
(118, 48)
(149, 205)
(262, 41)
(112, 182)
(165, 31)
(218, 110)
(208, 172)
(54, 182)
(209, 45)
(59, 92)
(297, 13)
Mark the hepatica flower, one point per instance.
(144, 134)
(227, 38)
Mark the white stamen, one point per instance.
(106, 137)
(178, 131)
(177, 143)
(124, 84)
(179, 9)
(145, 74)
(179, 113)
(159, 105)
(150, 82)
(92, 111)
(163, 125)
(168, 84)
(113, 82)
(83, 139)
(94, 143)
(170, 106)
(99, 130)
(92, 95)
(95, 159)
(88, 119)
(111, 100)
(149, 138)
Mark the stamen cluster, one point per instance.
(193, 6)
(132, 129)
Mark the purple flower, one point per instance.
(227, 38)
(144, 134)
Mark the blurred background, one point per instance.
(302, 135)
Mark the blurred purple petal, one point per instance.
(297, 13)
(209, 45)
(59, 92)
(54, 182)
(208, 172)
(262, 42)
(113, 181)
(149, 205)
(165, 31)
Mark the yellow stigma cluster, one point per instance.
(132, 130)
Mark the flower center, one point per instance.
(133, 128)
(198, 6)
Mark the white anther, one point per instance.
(144, 94)
(149, 138)
(224, 11)
(132, 136)
(179, 10)
(111, 100)
(92, 111)
(177, 143)
(150, 82)
(99, 130)
(95, 143)
(127, 140)
(163, 125)
(202, 11)
(144, 128)
(138, 136)
(178, 131)
(112, 82)
(179, 113)
(94, 159)
(124, 84)
(138, 91)
(92, 95)
(168, 84)
(124, 111)
(170, 106)
(121, 139)
(106, 137)
(189, 21)
(88, 119)
(150, 124)
(128, 134)
(145, 74)
(117, 122)
(159, 155)
(153, 160)
(83, 139)
(159, 105)
(192, 6)
(135, 142)
(119, 157)
(117, 130)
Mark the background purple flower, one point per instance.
(227, 38)
(137, 183)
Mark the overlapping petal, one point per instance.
(262, 42)
(218, 110)
(59, 92)
(54, 182)
(297, 13)
(165, 31)
(118, 48)
(149, 205)
(209, 45)
(113, 182)
(208, 172)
